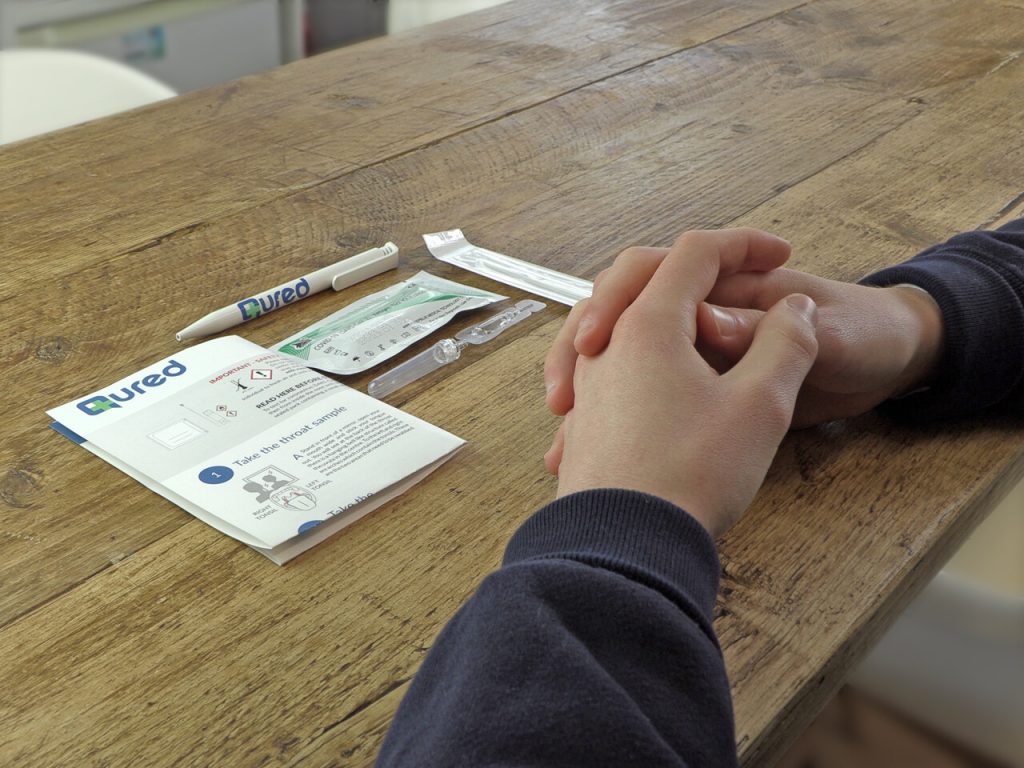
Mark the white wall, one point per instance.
(406, 14)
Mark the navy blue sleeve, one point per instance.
(977, 279)
(592, 645)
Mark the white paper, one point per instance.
(256, 444)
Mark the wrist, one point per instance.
(636, 482)
(925, 323)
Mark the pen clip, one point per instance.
(365, 266)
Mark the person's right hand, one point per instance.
(875, 343)
(651, 415)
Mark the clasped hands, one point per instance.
(682, 373)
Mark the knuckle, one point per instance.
(636, 317)
(577, 309)
(558, 356)
(774, 405)
(579, 376)
(692, 238)
(641, 325)
(779, 407)
(550, 362)
(800, 339)
(631, 254)
(630, 328)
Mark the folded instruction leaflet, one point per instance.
(255, 444)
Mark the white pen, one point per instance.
(346, 272)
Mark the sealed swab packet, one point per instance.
(381, 325)
(453, 248)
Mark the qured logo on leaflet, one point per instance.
(102, 403)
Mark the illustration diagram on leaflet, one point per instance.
(278, 487)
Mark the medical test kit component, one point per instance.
(452, 247)
(448, 350)
(379, 326)
(338, 276)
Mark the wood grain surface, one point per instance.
(862, 131)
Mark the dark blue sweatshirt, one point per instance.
(592, 645)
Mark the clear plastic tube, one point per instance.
(440, 354)
(449, 350)
(492, 326)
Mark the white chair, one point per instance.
(44, 89)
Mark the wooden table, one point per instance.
(863, 130)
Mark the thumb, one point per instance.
(724, 334)
(783, 350)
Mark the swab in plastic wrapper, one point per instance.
(453, 247)
(381, 325)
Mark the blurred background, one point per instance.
(189, 44)
(63, 62)
(944, 687)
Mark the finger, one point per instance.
(614, 290)
(553, 458)
(724, 334)
(696, 262)
(782, 353)
(560, 364)
(763, 290)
